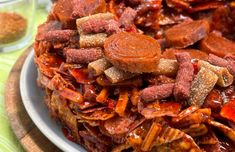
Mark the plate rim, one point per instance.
(42, 126)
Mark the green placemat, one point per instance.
(8, 141)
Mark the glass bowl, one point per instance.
(16, 24)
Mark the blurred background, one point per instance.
(35, 13)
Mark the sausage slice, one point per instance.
(217, 45)
(133, 52)
(195, 54)
(187, 33)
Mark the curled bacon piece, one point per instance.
(47, 63)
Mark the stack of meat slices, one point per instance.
(116, 84)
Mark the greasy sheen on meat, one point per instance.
(140, 75)
(210, 45)
(132, 52)
(187, 33)
(194, 53)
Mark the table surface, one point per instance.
(8, 141)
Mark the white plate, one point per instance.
(32, 97)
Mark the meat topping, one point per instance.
(127, 18)
(214, 44)
(83, 55)
(187, 33)
(184, 76)
(132, 52)
(157, 92)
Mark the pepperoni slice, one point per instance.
(217, 45)
(133, 52)
(195, 54)
(187, 33)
